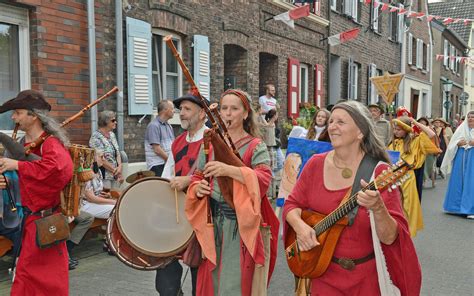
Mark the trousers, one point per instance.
(168, 279)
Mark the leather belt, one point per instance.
(350, 264)
(41, 213)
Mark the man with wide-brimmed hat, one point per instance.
(382, 126)
(39, 271)
(179, 167)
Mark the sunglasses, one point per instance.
(113, 120)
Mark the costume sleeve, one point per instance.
(401, 258)
(46, 177)
(261, 166)
(427, 145)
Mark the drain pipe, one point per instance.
(119, 69)
(92, 61)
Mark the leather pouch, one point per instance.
(51, 230)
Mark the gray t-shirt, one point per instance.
(161, 133)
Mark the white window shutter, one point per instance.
(140, 99)
(350, 76)
(348, 7)
(451, 61)
(375, 16)
(410, 49)
(202, 63)
(419, 53)
(373, 90)
(401, 25)
(428, 57)
(446, 54)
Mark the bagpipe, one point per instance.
(82, 157)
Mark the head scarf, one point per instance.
(462, 132)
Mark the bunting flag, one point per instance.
(462, 60)
(290, 16)
(419, 15)
(343, 37)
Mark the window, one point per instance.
(414, 52)
(352, 9)
(353, 80)
(451, 60)
(425, 56)
(315, 5)
(419, 53)
(393, 26)
(14, 55)
(167, 76)
(334, 5)
(304, 79)
(376, 17)
(446, 54)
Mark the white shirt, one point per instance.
(267, 103)
(168, 170)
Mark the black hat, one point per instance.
(191, 98)
(379, 106)
(28, 99)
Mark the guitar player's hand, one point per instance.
(306, 237)
(370, 199)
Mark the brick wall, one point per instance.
(59, 58)
(229, 25)
(369, 47)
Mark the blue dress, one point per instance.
(460, 194)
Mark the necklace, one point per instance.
(346, 172)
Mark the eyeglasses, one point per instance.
(113, 120)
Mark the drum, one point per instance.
(148, 227)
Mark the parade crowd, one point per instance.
(234, 254)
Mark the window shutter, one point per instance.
(375, 16)
(293, 87)
(318, 85)
(419, 53)
(317, 7)
(410, 49)
(446, 53)
(350, 76)
(347, 7)
(140, 99)
(372, 90)
(451, 61)
(428, 57)
(401, 25)
(202, 73)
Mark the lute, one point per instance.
(328, 228)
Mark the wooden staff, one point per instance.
(40, 140)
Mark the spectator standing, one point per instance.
(268, 101)
(104, 139)
(444, 133)
(382, 126)
(318, 129)
(158, 138)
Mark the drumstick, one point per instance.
(176, 201)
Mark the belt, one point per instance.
(350, 264)
(42, 213)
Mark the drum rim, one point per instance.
(153, 254)
(123, 258)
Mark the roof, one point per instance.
(455, 9)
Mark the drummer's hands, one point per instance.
(7, 164)
(370, 199)
(180, 183)
(305, 237)
(202, 189)
(217, 169)
(3, 183)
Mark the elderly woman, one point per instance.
(444, 132)
(318, 128)
(233, 246)
(413, 149)
(378, 227)
(459, 159)
(104, 140)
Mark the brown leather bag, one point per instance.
(51, 230)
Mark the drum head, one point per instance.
(146, 217)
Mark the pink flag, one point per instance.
(402, 11)
(393, 9)
(290, 16)
(420, 15)
(385, 6)
(367, 2)
(439, 57)
(429, 18)
(343, 37)
(448, 20)
(466, 22)
(412, 14)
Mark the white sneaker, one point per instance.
(470, 216)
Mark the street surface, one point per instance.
(445, 248)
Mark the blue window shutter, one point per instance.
(140, 99)
(202, 61)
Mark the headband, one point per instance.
(403, 125)
(355, 115)
(240, 95)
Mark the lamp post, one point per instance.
(447, 86)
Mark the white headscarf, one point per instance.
(463, 132)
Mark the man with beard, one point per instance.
(179, 168)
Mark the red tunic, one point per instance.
(184, 154)
(42, 272)
(356, 240)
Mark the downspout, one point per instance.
(119, 69)
(92, 61)
(328, 60)
(430, 105)
(403, 62)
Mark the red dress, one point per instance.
(356, 240)
(42, 271)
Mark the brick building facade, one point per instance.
(375, 51)
(416, 86)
